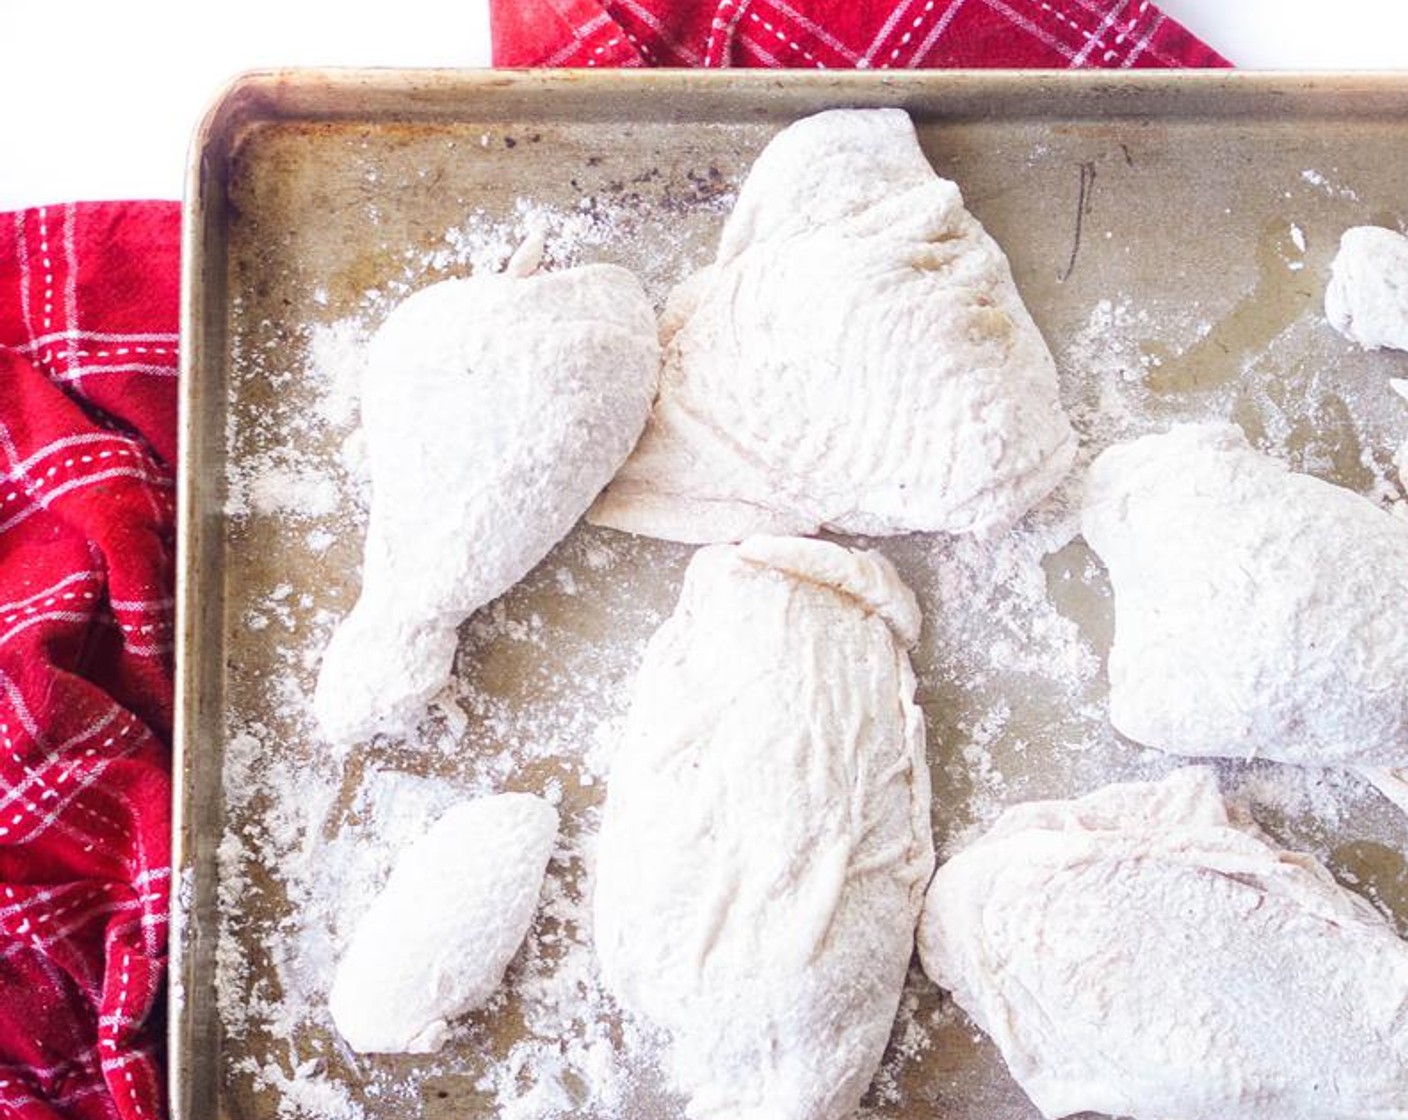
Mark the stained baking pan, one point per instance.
(1172, 236)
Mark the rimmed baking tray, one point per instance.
(1171, 234)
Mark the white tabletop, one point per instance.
(98, 100)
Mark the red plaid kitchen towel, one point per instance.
(88, 315)
(842, 34)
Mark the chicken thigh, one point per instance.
(766, 841)
(1258, 612)
(1141, 952)
(856, 358)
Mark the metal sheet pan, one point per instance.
(1196, 213)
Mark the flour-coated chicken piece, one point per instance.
(1141, 952)
(856, 358)
(1366, 299)
(766, 840)
(495, 410)
(1258, 612)
(435, 942)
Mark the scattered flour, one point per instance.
(1321, 183)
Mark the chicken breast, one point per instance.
(1140, 952)
(856, 358)
(1258, 612)
(435, 942)
(495, 409)
(1367, 297)
(766, 840)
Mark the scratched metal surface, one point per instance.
(1178, 191)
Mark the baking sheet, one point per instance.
(1171, 235)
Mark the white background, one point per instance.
(98, 98)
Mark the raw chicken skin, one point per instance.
(435, 942)
(1258, 612)
(856, 358)
(495, 410)
(1139, 952)
(766, 841)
